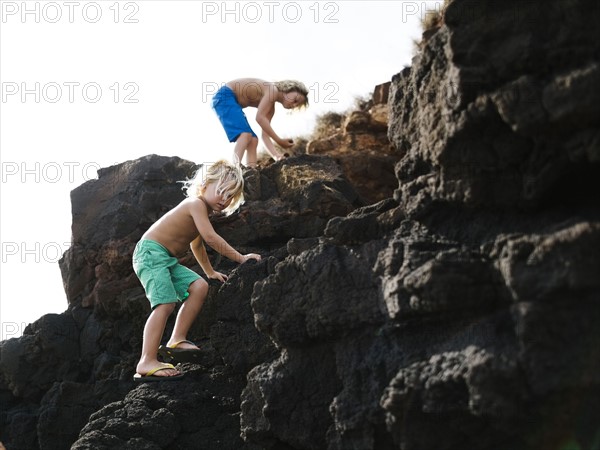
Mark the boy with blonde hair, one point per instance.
(166, 282)
(233, 97)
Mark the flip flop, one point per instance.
(172, 353)
(139, 378)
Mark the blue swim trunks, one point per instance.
(231, 114)
(163, 278)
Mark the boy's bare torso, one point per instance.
(176, 229)
(250, 91)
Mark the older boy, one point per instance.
(233, 97)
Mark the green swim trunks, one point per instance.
(163, 278)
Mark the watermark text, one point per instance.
(269, 12)
(318, 92)
(48, 172)
(33, 252)
(468, 11)
(12, 330)
(68, 92)
(69, 12)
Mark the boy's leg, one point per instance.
(153, 331)
(251, 152)
(188, 312)
(246, 141)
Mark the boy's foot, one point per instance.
(183, 345)
(181, 351)
(162, 372)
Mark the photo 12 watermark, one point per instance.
(270, 12)
(474, 10)
(33, 252)
(326, 92)
(421, 10)
(69, 92)
(12, 330)
(51, 172)
(69, 12)
(318, 92)
(73, 173)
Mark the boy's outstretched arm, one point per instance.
(266, 111)
(208, 234)
(276, 155)
(199, 251)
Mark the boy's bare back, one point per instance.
(250, 91)
(180, 226)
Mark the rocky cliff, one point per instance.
(456, 307)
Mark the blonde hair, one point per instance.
(286, 86)
(230, 182)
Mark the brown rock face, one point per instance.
(361, 146)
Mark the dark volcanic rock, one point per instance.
(500, 110)
(200, 412)
(466, 316)
(67, 366)
(461, 311)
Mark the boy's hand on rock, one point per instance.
(286, 143)
(254, 256)
(218, 276)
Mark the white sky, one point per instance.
(91, 84)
